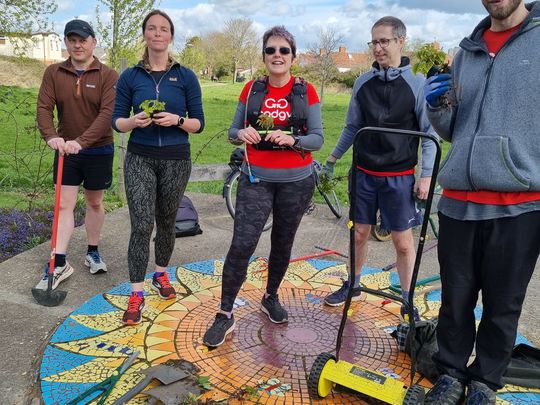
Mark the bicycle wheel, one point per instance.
(332, 201)
(329, 196)
(378, 232)
(229, 192)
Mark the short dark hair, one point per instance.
(161, 13)
(280, 31)
(398, 28)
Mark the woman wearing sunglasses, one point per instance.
(278, 118)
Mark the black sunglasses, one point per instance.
(270, 50)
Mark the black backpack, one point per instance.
(425, 345)
(187, 219)
(524, 367)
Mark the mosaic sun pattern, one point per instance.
(259, 362)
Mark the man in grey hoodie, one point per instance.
(490, 209)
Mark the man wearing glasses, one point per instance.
(390, 96)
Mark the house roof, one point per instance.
(342, 59)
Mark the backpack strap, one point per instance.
(255, 100)
(299, 106)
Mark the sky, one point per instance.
(427, 20)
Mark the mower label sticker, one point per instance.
(368, 375)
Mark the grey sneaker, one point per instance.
(480, 394)
(271, 307)
(95, 263)
(446, 391)
(339, 297)
(60, 274)
(222, 326)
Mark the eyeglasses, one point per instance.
(383, 42)
(270, 50)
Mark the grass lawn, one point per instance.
(26, 162)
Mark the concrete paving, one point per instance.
(26, 326)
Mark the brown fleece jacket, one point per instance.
(84, 103)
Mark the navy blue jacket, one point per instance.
(178, 88)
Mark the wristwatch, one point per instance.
(180, 121)
(296, 140)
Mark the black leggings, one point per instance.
(254, 202)
(154, 188)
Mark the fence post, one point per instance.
(122, 151)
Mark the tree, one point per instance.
(321, 51)
(19, 18)
(192, 56)
(121, 34)
(25, 16)
(216, 54)
(241, 42)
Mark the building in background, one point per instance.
(43, 46)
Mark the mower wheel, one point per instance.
(318, 386)
(415, 395)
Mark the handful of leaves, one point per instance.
(266, 122)
(151, 107)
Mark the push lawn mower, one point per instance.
(328, 370)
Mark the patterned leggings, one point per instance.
(254, 202)
(154, 188)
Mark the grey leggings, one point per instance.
(154, 188)
(254, 202)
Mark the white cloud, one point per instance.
(446, 22)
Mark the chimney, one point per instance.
(342, 49)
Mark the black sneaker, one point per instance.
(339, 297)
(446, 391)
(480, 394)
(271, 307)
(222, 326)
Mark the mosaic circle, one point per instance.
(259, 362)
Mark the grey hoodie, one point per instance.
(495, 127)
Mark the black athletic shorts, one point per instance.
(94, 172)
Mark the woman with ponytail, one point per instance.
(158, 163)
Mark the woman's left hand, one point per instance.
(280, 138)
(165, 119)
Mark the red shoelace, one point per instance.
(134, 303)
(164, 280)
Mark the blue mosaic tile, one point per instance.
(319, 264)
(95, 306)
(205, 267)
(56, 361)
(122, 289)
(523, 398)
(62, 393)
(73, 330)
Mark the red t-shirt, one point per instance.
(276, 105)
(494, 42)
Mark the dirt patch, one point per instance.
(22, 72)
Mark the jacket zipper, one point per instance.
(157, 95)
(78, 85)
(489, 71)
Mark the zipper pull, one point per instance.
(78, 86)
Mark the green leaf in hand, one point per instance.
(266, 122)
(151, 107)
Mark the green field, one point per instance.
(25, 163)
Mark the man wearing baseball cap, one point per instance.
(81, 89)
(80, 28)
